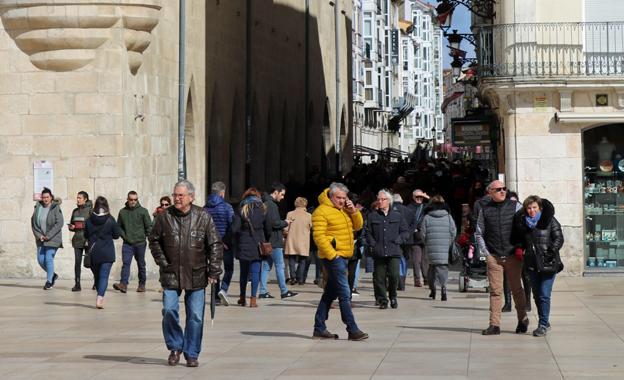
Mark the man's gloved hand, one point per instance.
(519, 254)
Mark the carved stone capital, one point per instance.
(64, 35)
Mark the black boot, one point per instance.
(76, 287)
(507, 293)
(432, 294)
(443, 294)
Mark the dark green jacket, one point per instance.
(79, 218)
(135, 224)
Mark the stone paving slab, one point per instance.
(58, 334)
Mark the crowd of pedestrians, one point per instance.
(338, 230)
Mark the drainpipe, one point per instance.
(306, 96)
(248, 99)
(181, 115)
(337, 42)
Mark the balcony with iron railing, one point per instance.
(551, 50)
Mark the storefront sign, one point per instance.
(471, 134)
(43, 174)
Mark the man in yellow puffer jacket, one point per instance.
(333, 223)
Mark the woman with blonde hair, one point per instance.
(298, 240)
(250, 227)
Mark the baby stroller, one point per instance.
(473, 274)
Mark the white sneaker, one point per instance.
(223, 297)
(99, 302)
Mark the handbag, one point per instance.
(90, 247)
(454, 250)
(453, 253)
(265, 249)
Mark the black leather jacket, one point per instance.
(187, 248)
(545, 239)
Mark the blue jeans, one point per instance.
(228, 270)
(101, 272)
(128, 251)
(542, 285)
(277, 257)
(247, 269)
(190, 340)
(45, 258)
(337, 287)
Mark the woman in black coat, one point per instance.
(538, 233)
(100, 231)
(251, 212)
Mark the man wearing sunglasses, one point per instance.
(493, 235)
(135, 224)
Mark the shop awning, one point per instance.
(597, 117)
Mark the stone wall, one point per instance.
(92, 89)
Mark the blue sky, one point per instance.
(461, 22)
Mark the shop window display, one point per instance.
(604, 197)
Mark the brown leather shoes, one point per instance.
(121, 287)
(174, 358)
(252, 302)
(141, 289)
(192, 363)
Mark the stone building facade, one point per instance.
(555, 81)
(92, 88)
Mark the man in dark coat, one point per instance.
(415, 214)
(187, 248)
(271, 199)
(222, 214)
(493, 233)
(386, 231)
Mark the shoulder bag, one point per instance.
(264, 248)
(454, 250)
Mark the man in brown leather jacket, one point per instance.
(187, 248)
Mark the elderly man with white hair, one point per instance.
(386, 231)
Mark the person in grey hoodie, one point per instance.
(77, 225)
(438, 232)
(46, 224)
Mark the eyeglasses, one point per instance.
(179, 195)
(164, 204)
(133, 199)
(499, 189)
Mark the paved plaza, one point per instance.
(58, 334)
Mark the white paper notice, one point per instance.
(43, 177)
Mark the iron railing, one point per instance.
(551, 49)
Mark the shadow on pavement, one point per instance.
(442, 328)
(276, 334)
(128, 359)
(22, 286)
(462, 308)
(69, 304)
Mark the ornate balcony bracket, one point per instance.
(565, 98)
(64, 35)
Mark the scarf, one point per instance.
(532, 222)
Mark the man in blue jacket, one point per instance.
(222, 214)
